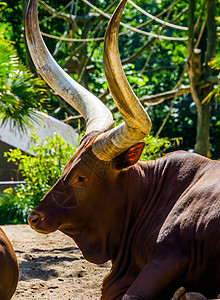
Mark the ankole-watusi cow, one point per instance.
(158, 221)
(8, 268)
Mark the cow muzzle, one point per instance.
(38, 222)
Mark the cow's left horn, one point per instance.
(137, 123)
(97, 115)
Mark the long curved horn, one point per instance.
(97, 115)
(137, 123)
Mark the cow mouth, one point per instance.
(40, 231)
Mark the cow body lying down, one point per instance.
(157, 221)
(8, 268)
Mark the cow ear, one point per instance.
(129, 157)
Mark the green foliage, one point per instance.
(215, 63)
(215, 93)
(13, 210)
(156, 147)
(11, 24)
(40, 172)
(8, 59)
(20, 93)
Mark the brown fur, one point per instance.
(8, 268)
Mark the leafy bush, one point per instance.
(43, 169)
(13, 210)
(40, 171)
(157, 147)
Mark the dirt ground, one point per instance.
(52, 267)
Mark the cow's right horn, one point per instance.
(137, 122)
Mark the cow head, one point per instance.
(84, 203)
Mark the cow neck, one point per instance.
(140, 187)
(133, 199)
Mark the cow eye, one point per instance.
(81, 179)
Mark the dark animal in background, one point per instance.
(159, 221)
(8, 268)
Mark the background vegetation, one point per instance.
(21, 94)
(40, 172)
(175, 78)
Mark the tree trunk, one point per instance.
(203, 126)
(203, 109)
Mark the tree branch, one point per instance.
(199, 19)
(190, 55)
(161, 97)
(138, 53)
(158, 98)
(154, 44)
(56, 14)
(133, 28)
(103, 13)
(142, 49)
(155, 18)
(55, 37)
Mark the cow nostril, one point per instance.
(33, 219)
